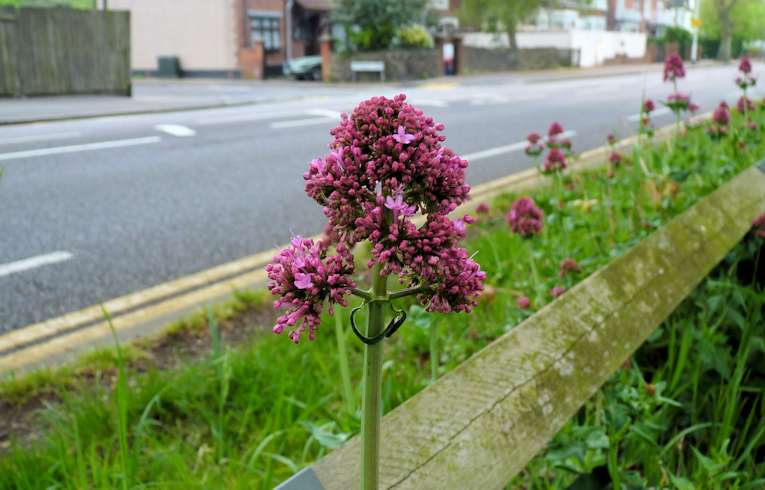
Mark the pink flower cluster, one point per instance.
(386, 165)
(646, 127)
(525, 217)
(534, 147)
(720, 120)
(304, 277)
(673, 67)
(679, 102)
(744, 105)
(558, 150)
(746, 79)
(758, 226)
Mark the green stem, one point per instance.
(372, 406)
(534, 272)
(342, 358)
(433, 352)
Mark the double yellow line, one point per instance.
(148, 311)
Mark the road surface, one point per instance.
(97, 208)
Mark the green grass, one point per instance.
(688, 409)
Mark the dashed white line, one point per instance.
(325, 113)
(33, 262)
(39, 137)
(429, 102)
(77, 148)
(501, 150)
(176, 130)
(294, 123)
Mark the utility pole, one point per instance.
(696, 23)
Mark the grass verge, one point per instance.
(251, 415)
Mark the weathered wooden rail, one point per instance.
(479, 425)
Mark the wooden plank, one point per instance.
(480, 424)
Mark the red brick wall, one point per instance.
(251, 61)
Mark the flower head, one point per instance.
(557, 291)
(678, 102)
(673, 68)
(745, 65)
(648, 106)
(615, 158)
(386, 164)
(304, 276)
(482, 208)
(744, 104)
(569, 265)
(534, 146)
(525, 217)
(554, 130)
(555, 161)
(758, 226)
(523, 302)
(721, 115)
(611, 139)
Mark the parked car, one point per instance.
(304, 68)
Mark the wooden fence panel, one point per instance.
(480, 424)
(64, 51)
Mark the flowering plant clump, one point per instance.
(525, 217)
(720, 120)
(745, 80)
(558, 151)
(673, 67)
(534, 147)
(646, 127)
(569, 265)
(744, 105)
(386, 164)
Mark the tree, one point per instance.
(729, 19)
(498, 15)
(373, 24)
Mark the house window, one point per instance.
(266, 29)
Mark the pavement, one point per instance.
(97, 208)
(169, 95)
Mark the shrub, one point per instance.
(414, 36)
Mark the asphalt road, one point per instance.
(93, 209)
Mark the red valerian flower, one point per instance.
(305, 276)
(648, 106)
(554, 130)
(611, 139)
(678, 102)
(615, 158)
(721, 115)
(569, 265)
(525, 217)
(745, 65)
(523, 302)
(744, 104)
(386, 164)
(482, 208)
(673, 68)
(758, 226)
(557, 291)
(534, 146)
(555, 161)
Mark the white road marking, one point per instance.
(39, 137)
(234, 118)
(428, 102)
(77, 148)
(501, 150)
(656, 113)
(325, 113)
(176, 130)
(294, 123)
(33, 262)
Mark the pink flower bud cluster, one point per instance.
(558, 150)
(673, 68)
(305, 277)
(646, 127)
(534, 147)
(679, 102)
(746, 79)
(720, 120)
(387, 164)
(744, 105)
(758, 226)
(525, 217)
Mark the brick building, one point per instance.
(224, 38)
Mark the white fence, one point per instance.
(594, 47)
